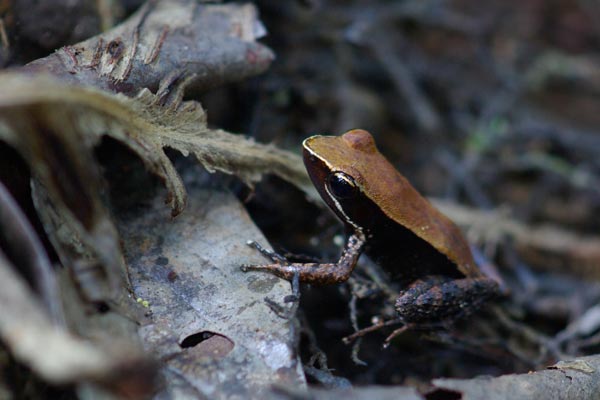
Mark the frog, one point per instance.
(388, 219)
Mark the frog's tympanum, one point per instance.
(398, 228)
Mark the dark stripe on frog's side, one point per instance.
(400, 252)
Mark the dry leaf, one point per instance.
(211, 328)
(55, 126)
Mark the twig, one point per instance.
(544, 343)
(3, 36)
(461, 173)
(318, 356)
(424, 113)
(379, 324)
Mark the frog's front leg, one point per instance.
(321, 274)
(440, 298)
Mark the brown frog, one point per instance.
(400, 230)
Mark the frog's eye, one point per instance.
(341, 185)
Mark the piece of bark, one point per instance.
(173, 40)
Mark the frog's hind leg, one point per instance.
(438, 298)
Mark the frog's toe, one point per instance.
(258, 267)
(271, 255)
(246, 267)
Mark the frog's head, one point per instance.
(335, 165)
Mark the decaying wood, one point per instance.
(174, 40)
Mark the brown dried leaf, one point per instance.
(147, 128)
(54, 126)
